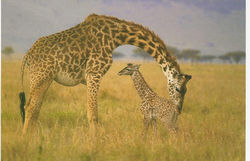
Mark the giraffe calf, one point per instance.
(153, 106)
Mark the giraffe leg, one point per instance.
(93, 83)
(32, 109)
(174, 126)
(170, 124)
(173, 129)
(146, 122)
(153, 120)
(154, 124)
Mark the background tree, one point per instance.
(225, 58)
(236, 55)
(139, 53)
(207, 58)
(191, 54)
(8, 50)
(174, 51)
(117, 55)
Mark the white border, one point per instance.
(1, 78)
(247, 79)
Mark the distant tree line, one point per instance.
(191, 55)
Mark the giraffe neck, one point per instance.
(141, 86)
(137, 35)
(113, 32)
(171, 75)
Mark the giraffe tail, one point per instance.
(22, 94)
(22, 104)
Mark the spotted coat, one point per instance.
(153, 106)
(83, 54)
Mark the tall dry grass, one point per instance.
(211, 126)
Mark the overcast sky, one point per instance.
(211, 26)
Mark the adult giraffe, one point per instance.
(83, 54)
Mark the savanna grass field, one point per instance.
(211, 125)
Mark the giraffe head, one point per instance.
(176, 81)
(129, 69)
(180, 90)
